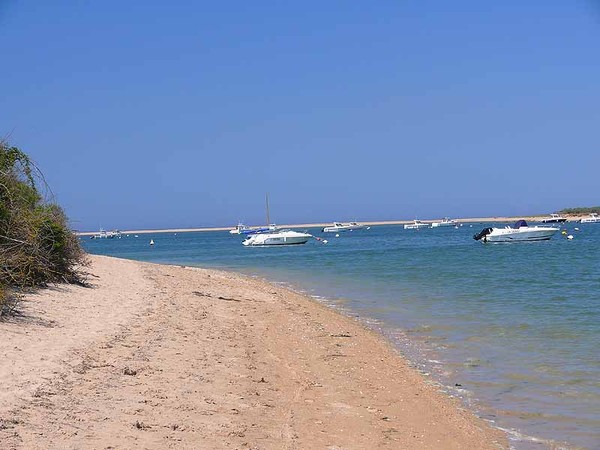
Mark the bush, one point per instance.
(580, 211)
(36, 245)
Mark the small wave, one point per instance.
(517, 436)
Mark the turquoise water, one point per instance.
(515, 326)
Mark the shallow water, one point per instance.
(516, 326)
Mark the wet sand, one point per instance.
(154, 356)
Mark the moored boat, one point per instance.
(592, 218)
(554, 218)
(519, 232)
(417, 224)
(445, 222)
(244, 229)
(283, 237)
(339, 226)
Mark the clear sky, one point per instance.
(184, 114)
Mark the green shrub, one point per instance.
(36, 245)
(581, 210)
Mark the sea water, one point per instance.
(513, 329)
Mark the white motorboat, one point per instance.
(103, 234)
(445, 222)
(519, 232)
(358, 226)
(283, 237)
(339, 226)
(335, 228)
(592, 218)
(554, 218)
(417, 224)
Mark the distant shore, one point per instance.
(165, 357)
(469, 220)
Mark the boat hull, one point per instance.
(340, 227)
(521, 235)
(272, 239)
(335, 229)
(416, 226)
(443, 224)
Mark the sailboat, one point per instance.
(276, 236)
(245, 229)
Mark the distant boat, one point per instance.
(245, 229)
(358, 226)
(103, 234)
(283, 237)
(554, 218)
(519, 232)
(445, 222)
(417, 224)
(339, 226)
(592, 218)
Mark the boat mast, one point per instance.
(268, 216)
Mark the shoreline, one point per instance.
(470, 220)
(243, 362)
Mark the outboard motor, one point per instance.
(482, 234)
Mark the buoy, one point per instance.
(563, 232)
(325, 241)
(136, 235)
(151, 242)
(576, 229)
(337, 235)
(569, 237)
(368, 228)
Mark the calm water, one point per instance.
(517, 326)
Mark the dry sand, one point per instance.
(162, 357)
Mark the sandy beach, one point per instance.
(153, 356)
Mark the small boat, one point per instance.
(239, 229)
(592, 218)
(103, 234)
(445, 222)
(244, 229)
(554, 218)
(519, 232)
(339, 226)
(269, 228)
(358, 226)
(417, 224)
(283, 237)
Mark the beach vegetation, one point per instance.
(580, 211)
(37, 246)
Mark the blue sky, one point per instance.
(157, 115)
